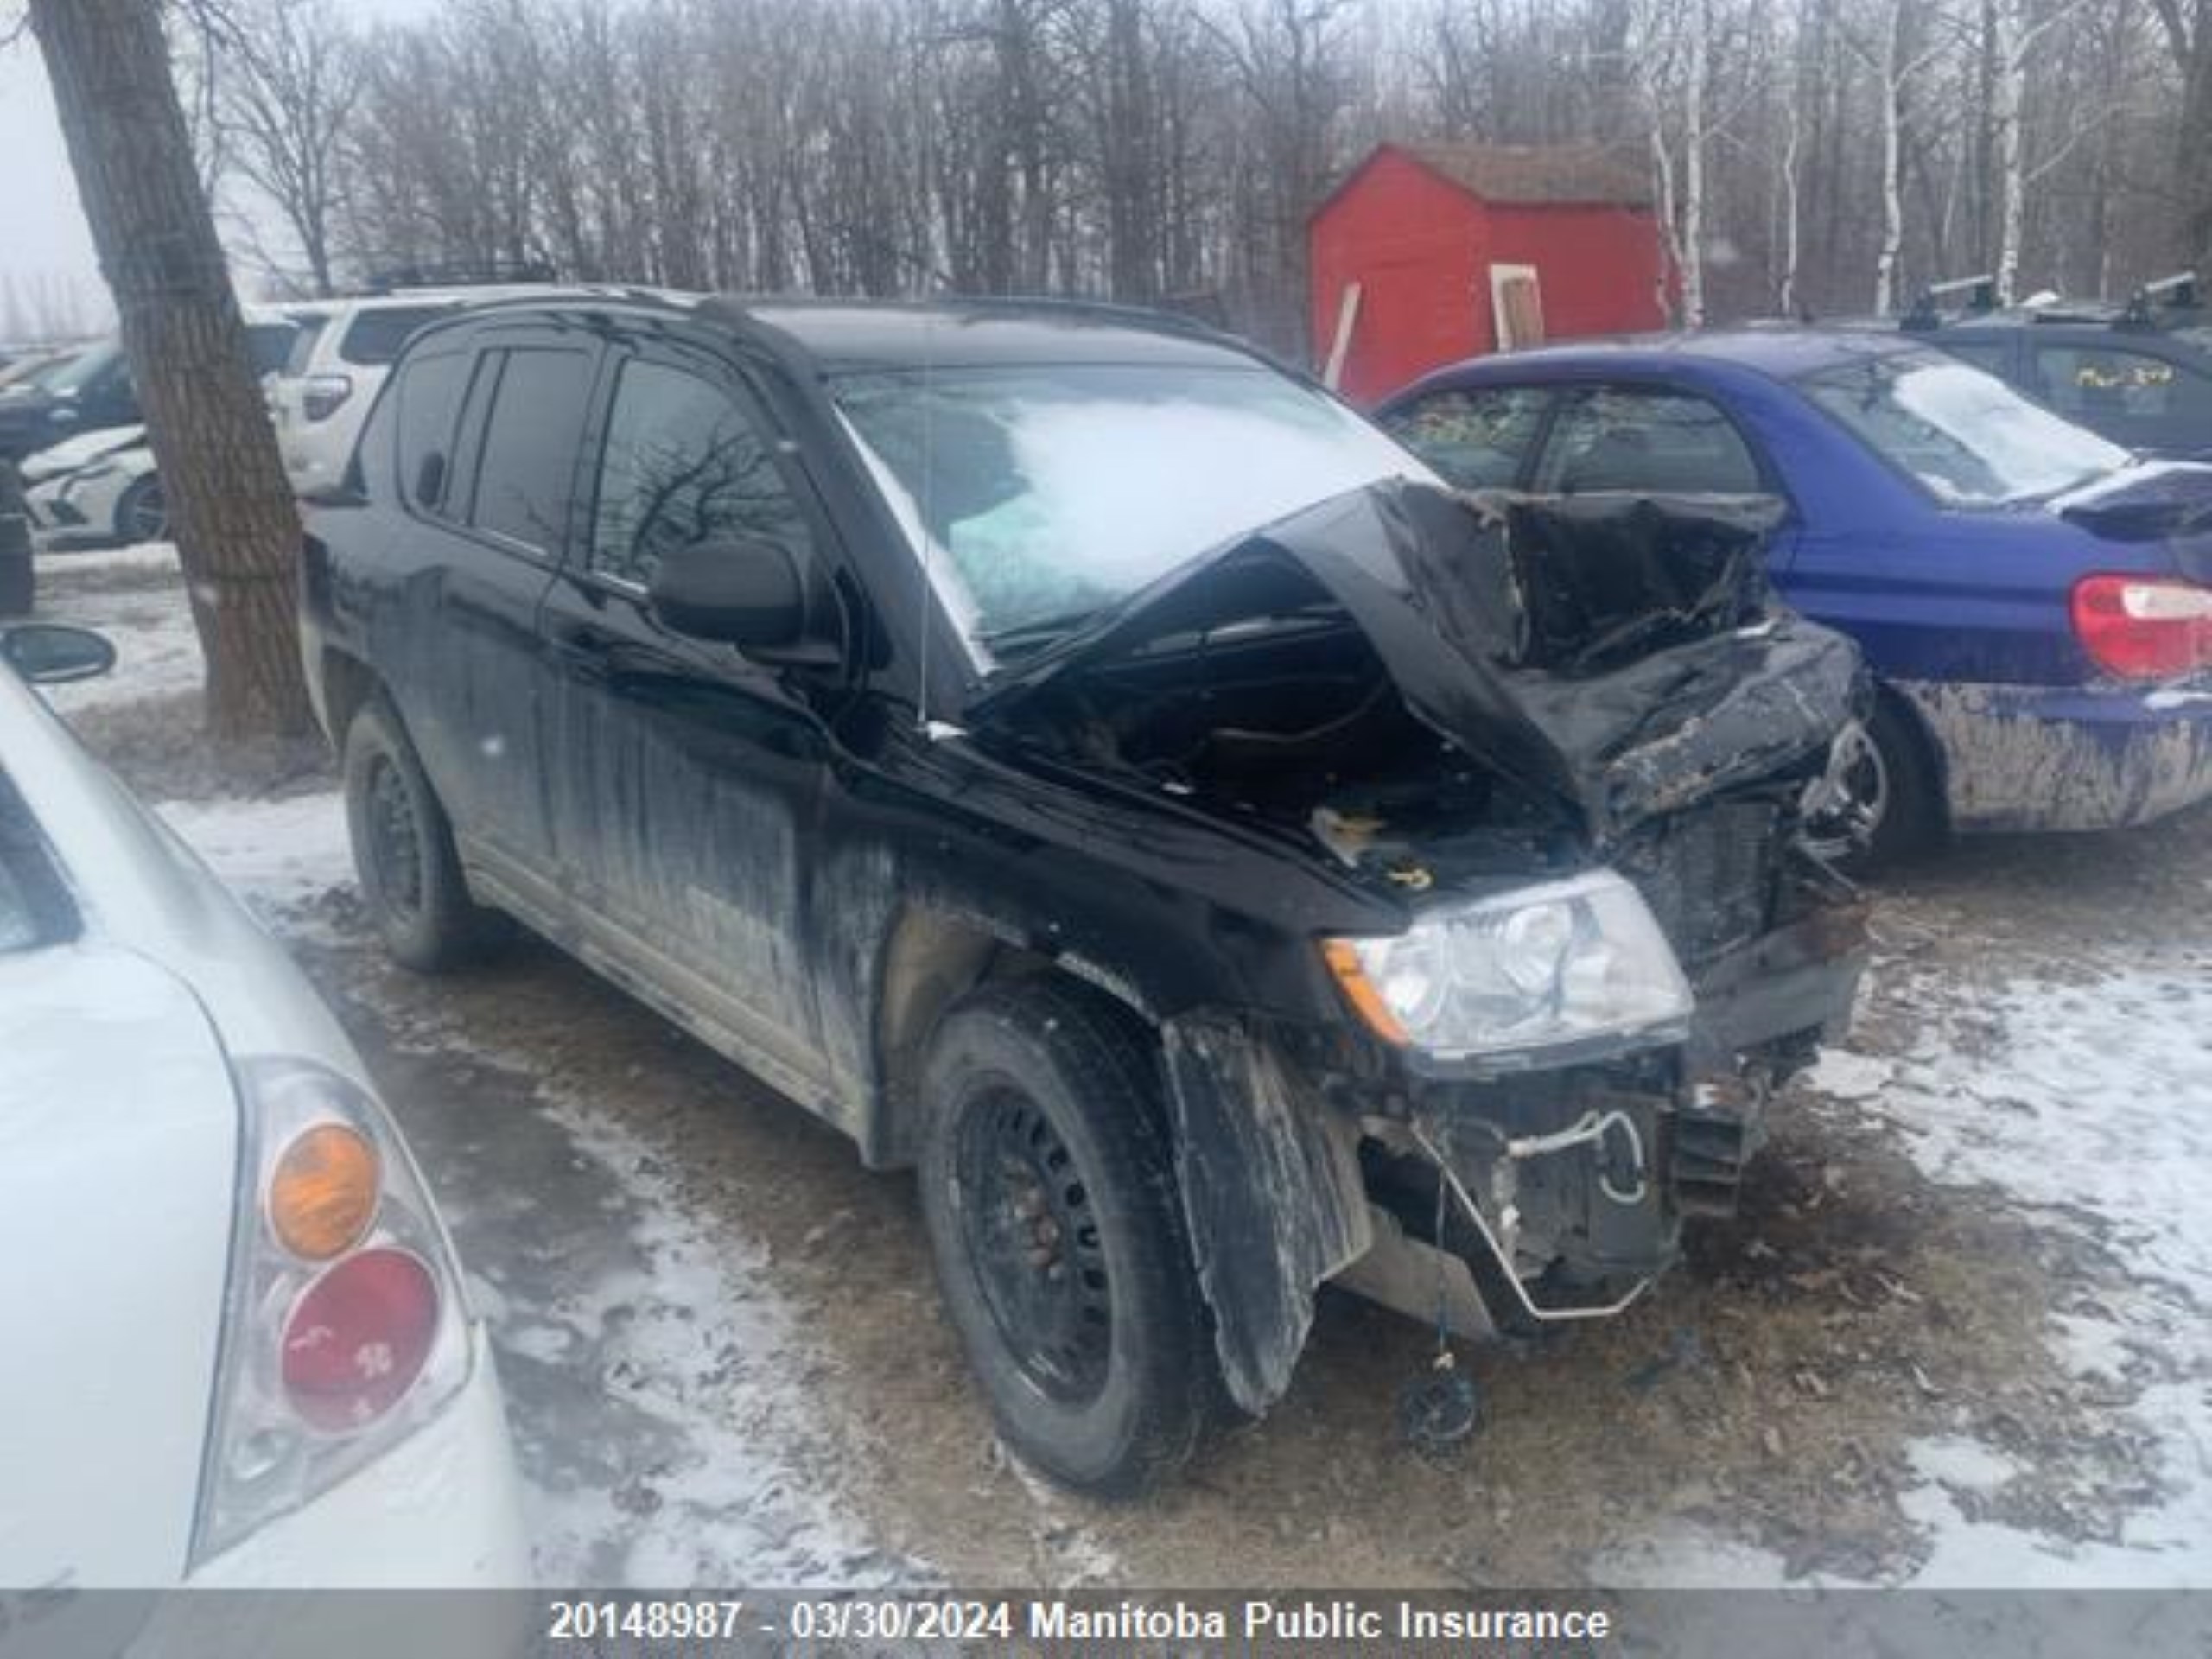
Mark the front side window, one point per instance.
(1479, 438)
(1969, 439)
(684, 464)
(526, 467)
(1038, 494)
(1647, 442)
(2096, 385)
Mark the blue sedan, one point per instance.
(2032, 599)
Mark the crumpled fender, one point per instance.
(1271, 1193)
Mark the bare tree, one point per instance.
(237, 532)
(286, 103)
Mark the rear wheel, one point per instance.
(1049, 1189)
(143, 513)
(1890, 789)
(403, 852)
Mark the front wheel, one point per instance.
(1049, 1189)
(403, 852)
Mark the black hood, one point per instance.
(1622, 653)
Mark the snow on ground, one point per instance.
(704, 1344)
(275, 853)
(2078, 1090)
(681, 1323)
(157, 652)
(146, 558)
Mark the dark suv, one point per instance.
(1076, 758)
(2139, 374)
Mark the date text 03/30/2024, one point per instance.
(863, 1619)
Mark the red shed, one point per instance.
(1428, 253)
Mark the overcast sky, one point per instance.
(43, 241)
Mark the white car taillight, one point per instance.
(324, 394)
(344, 1327)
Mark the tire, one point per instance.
(1049, 1190)
(403, 853)
(141, 514)
(1903, 793)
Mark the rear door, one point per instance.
(489, 435)
(685, 780)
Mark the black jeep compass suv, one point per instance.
(1093, 766)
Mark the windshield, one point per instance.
(1040, 493)
(78, 371)
(1969, 438)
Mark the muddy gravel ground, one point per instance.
(1776, 1398)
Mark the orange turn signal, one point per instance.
(1359, 990)
(323, 1196)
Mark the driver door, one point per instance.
(685, 781)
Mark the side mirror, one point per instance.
(760, 596)
(49, 653)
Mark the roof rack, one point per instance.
(1927, 310)
(463, 274)
(2174, 293)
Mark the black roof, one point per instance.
(844, 336)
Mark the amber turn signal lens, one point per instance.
(323, 1195)
(1359, 990)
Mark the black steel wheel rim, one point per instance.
(1030, 1230)
(395, 838)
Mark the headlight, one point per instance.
(1563, 963)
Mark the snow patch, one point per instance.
(271, 854)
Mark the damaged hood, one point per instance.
(1623, 653)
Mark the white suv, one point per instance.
(323, 392)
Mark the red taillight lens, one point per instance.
(323, 394)
(357, 1337)
(2144, 628)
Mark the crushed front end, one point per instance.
(1572, 769)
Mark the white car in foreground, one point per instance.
(238, 1348)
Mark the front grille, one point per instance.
(1708, 875)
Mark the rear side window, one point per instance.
(2093, 384)
(682, 464)
(1477, 439)
(526, 467)
(376, 333)
(1660, 443)
(429, 407)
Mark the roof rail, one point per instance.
(2174, 293)
(463, 274)
(1927, 310)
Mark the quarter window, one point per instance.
(527, 466)
(683, 465)
(1660, 443)
(1477, 439)
(429, 404)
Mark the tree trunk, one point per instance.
(237, 530)
(2008, 92)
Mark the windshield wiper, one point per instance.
(1040, 630)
